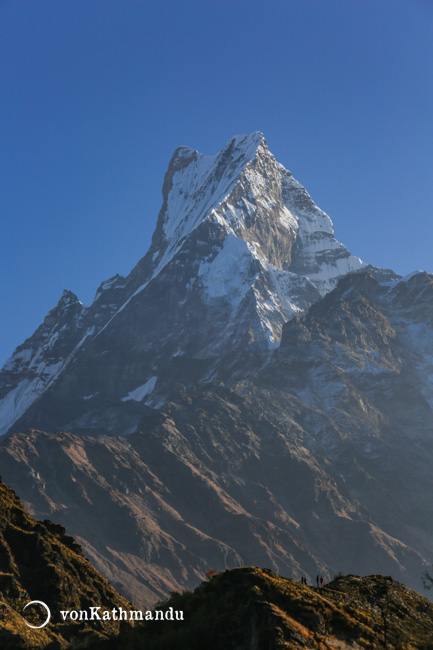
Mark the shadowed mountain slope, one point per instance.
(38, 561)
(319, 460)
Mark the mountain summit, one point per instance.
(239, 249)
(245, 194)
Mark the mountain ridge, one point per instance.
(251, 607)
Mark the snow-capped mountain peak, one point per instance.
(246, 192)
(194, 186)
(239, 246)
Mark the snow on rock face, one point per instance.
(253, 197)
(256, 202)
(15, 402)
(35, 365)
(317, 254)
(229, 274)
(116, 282)
(253, 200)
(139, 393)
(66, 314)
(194, 186)
(204, 183)
(238, 269)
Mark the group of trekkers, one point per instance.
(319, 581)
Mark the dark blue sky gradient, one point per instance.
(96, 94)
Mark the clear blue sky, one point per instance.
(96, 94)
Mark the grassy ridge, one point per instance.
(255, 609)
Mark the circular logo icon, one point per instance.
(47, 620)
